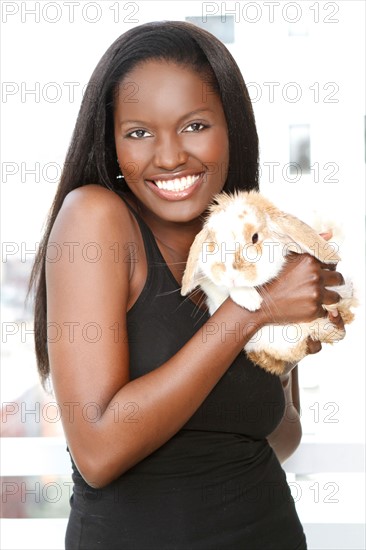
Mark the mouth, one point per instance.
(177, 184)
(176, 188)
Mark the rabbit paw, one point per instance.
(246, 297)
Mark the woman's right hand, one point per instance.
(299, 291)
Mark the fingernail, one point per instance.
(334, 312)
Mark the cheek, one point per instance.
(127, 153)
(248, 273)
(218, 149)
(131, 159)
(217, 271)
(216, 160)
(252, 253)
(210, 148)
(214, 268)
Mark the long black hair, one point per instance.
(91, 157)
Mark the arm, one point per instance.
(287, 436)
(83, 292)
(295, 388)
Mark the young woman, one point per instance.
(168, 423)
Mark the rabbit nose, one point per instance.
(234, 278)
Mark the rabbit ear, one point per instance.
(297, 233)
(191, 276)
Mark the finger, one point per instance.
(328, 267)
(293, 257)
(331, 264)
(332, 278)
(313, 346)
(336, 320)
(333, 314)
(324, 265)
(330, 297)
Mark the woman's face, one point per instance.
(171, 139)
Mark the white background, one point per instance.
(323, 53)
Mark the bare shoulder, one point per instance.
(92, 195)
(94, 200)
(94, 209)
(95, 235)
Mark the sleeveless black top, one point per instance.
(215, 485)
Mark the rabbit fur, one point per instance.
(244, 243)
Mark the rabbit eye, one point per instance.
(255, 238)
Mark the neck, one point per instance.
(176, 236)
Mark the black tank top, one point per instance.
(215, 485)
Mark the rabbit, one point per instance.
(244, 243)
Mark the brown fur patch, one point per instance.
(210, 247)
(247, 268)
(275, 362)
(267, 362)
(248, 232)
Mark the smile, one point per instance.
(177, 184)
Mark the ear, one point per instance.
(294, 232)
(191, 276)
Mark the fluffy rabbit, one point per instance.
(244, 243)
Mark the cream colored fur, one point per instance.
(244, 243)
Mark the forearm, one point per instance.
(163, 400)
(295, 390)
(287, 436)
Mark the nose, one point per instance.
(170, 153)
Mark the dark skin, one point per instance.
(166, 135)
(287, 436)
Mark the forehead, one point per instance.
(165, 86)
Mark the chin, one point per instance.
(180, 212)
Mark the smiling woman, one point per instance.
(178, 454)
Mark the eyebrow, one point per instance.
(187, 115)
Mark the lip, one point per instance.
(173, 175)
(175, 195)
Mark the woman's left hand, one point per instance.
(314, 346)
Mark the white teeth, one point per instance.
(177, 184)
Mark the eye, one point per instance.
(195, 127)
(255, 238)
(138, 134)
